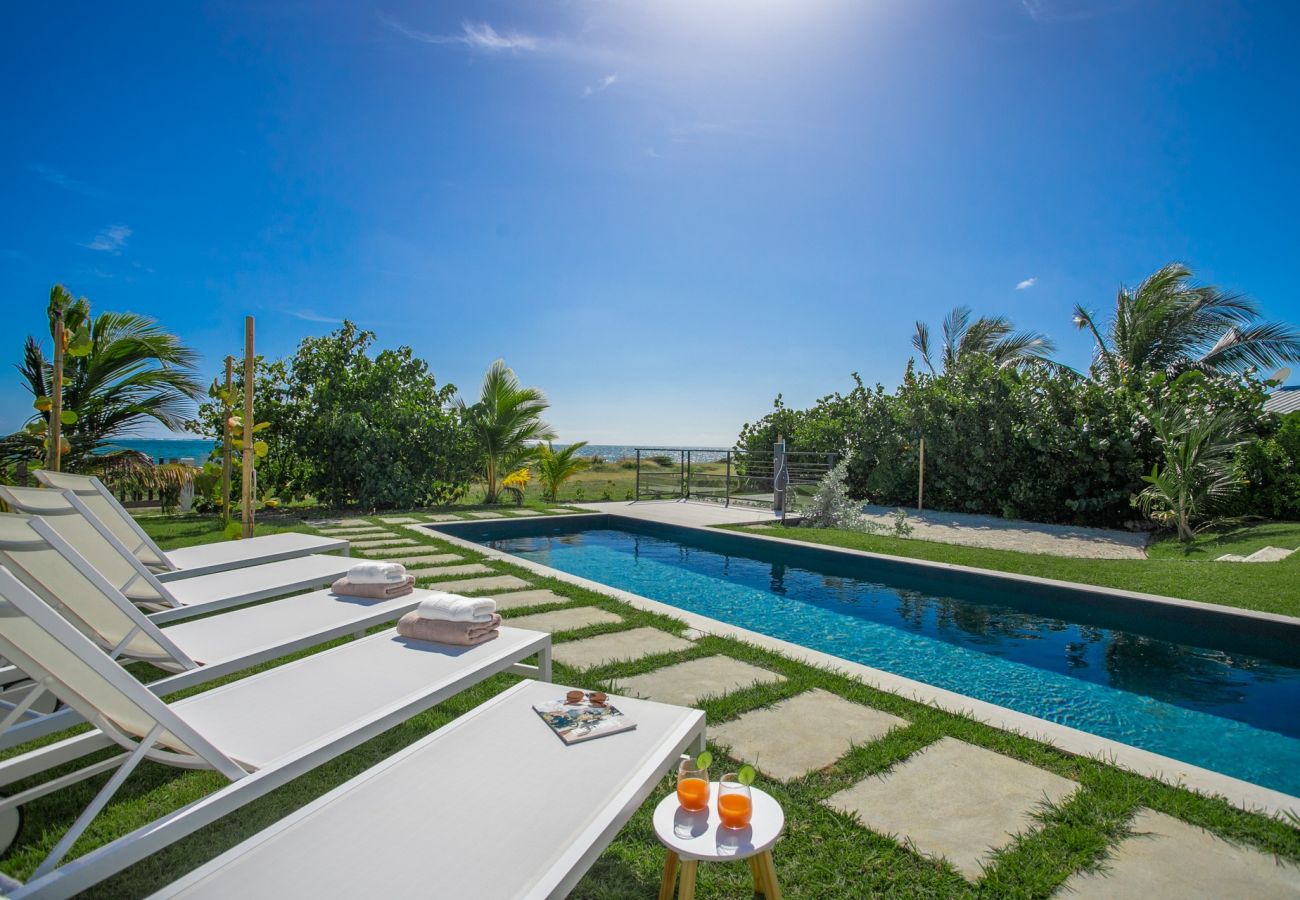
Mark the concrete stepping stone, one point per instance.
(1168, 858)
(355, 531)
(445, 572)
(481, 585)
(954, 800)
(780, 751)
(1230, 557)
(566, 619)
(621, 645)
(444, 517)
(1269, 554)
(399, 520)
(371, 543)
(523, 513)
(418, 560)
(685, 683)
(539, 597)
(353, 522)
(485, 515)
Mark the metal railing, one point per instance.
(781, 480)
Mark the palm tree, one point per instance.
(1168, 325)
(554, 467)
(135, 372)
(1198, 470)
(991, 336)
(507, 421)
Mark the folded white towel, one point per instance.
(454, 608)
(377, 573)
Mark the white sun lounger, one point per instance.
(259, 732)
(101, 503)
(196, 651)
(178, 598)
(529, 825)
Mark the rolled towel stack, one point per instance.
(376, 581)
(451, 619)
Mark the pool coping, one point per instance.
(1072, 740)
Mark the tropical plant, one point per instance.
(1167, 324)
(554, 467)
(1198, 473)
(831, 506)
(991, 336)
(507, 421)
(516, 483)
(121, 371)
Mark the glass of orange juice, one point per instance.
(692, 785)
(735, 803)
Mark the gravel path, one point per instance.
(1010, 534)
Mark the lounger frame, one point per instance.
(81, 873)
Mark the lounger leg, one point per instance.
(669, 880)
(772, 890)
(687, 889)
(544, 663)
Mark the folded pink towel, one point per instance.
(440, 631)
(375, 591)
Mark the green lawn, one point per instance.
(1171, 570)
(823, 853)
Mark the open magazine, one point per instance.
(583, 721)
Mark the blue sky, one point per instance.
(662, 213)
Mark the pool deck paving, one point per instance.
(445, 572)
(1167, 859)
(621, 645)
(357, 530)
(566, 619)
(444, 517)
(476, 585)
(394, 541)
(418, 560)
(484, 514)
(954, 800)
(522, 599)
(783, 752)
(399, 520)
(689, 682)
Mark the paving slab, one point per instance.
(353, 521)
(417, 560)
(566, 619)
(445, 572)
(685, 683)
(621, 645)
(480, 585)
(523, 513)
(399, 520)
(485, 515)
(1167, 859)
(539, 597)
(1269, 554)
(765, 737)
(954, 800)
(357, 530)
(370, 543)
(444, 517)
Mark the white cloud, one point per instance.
(111, 240)
(1026, 284)
(479, 36)
(61, 180)
(652, 153)
(601, 85)
(310, 315)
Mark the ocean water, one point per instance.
(1213, 695)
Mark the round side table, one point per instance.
(695, 837)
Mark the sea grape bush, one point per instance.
(1039, 442)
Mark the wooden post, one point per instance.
(227, 452)
(54, 433)
(920, 480)
(249, 459)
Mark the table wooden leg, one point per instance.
(772, 890)
(686, 891)
(670, 877)
(756, 870)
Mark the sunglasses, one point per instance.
(595, 698)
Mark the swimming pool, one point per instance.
(1214, 690)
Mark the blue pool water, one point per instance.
(1202, 688)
